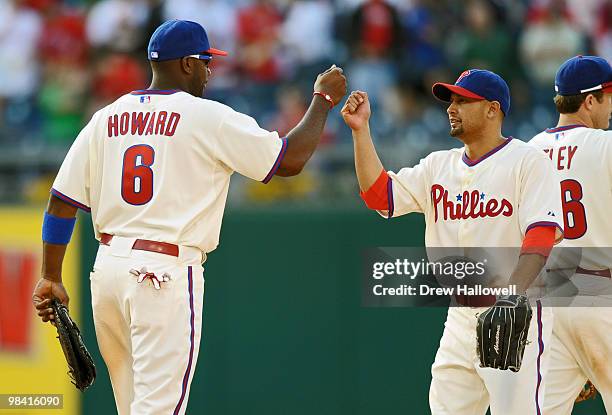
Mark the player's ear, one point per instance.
(493, 110)
(186, 65)
(589, 101)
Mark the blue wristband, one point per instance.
(56, 230)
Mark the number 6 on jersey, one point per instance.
(137, 176)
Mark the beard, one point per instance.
(456, 131)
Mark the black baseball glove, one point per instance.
(502, 333)
(80, 364)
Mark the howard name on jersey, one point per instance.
(143, 123)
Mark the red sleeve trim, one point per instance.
(539, 240)
(558, 235)
(377, 196)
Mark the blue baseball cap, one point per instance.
(476, 84)
(175, 39)
(582, 74)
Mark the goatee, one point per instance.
(456, 132)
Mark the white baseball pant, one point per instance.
(460, 386)
(149, 338)
(581, 350)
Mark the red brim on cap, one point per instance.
(443, 92)
(214, 51)
(607, 87)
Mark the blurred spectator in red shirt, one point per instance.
(64, 38)
(602, 38)
(376, 30)
(538, 10)
(258, 33)
(39, 5)
(116, 75)
(375, 39)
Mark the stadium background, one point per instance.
(284, 330)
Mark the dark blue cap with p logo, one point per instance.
(175, 39)
(476, 84)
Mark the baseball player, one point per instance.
(581, 152)
(493, 192)
(154, 168)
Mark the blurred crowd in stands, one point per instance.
(61, 60)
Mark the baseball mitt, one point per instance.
(80, 363)
(588, 392)
(502, 333)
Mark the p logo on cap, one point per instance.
(463, 75)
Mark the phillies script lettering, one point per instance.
(470, 205)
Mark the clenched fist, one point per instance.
(44, 292)
(331, 82)
(356, 111)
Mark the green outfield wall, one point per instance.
(284, 331)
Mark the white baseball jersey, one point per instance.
(582, 158)
(489, 202)
(157, 164)
(580, 346)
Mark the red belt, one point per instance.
(476, 300)
(145, 245)
(600, 273)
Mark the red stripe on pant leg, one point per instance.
(191, 337)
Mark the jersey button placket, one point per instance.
(464, 236)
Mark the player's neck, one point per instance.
(479, 147)
(164, 84)
(573, 119)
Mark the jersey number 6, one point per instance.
(571, 195)
(137, 176)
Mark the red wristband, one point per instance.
(326, 97)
